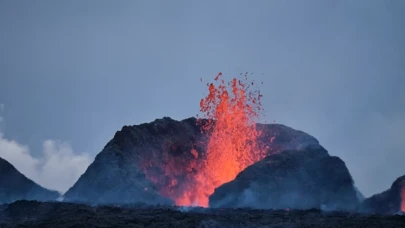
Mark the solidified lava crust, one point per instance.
(53, 214)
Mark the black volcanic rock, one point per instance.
(163, 157)
(114, 178)
(387, 202)
(278, 137)
(301, 179)
(15, 186)
(62, 214)
(134, 165)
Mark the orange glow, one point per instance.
(403, 199)
(231, 110)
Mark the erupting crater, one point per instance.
(184, 162)
(230, 112)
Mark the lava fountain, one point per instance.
(232, 109)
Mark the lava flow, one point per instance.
(232, 144)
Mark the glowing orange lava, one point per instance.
(232, 112)
(403, 199)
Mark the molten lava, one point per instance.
(232, 112)
(403, 199)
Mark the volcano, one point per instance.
(390, 201)
(184, 162)
(15, 186)
(161, 161)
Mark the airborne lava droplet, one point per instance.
(231, 110)
(217, 77)
(232, 146)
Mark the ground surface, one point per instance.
(38, 214)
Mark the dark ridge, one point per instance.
(15, 186)
(387, 202)
(301, 179)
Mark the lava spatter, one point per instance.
(232, 111)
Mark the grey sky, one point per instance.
(77, 71)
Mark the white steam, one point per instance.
(57, 168)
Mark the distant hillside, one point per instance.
(15, 186)
(387, 202)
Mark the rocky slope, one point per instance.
(388, 202)
(15, 186)
(302, 179)
(144, 161)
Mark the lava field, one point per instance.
(56, 214)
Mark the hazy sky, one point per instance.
(74, 72)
